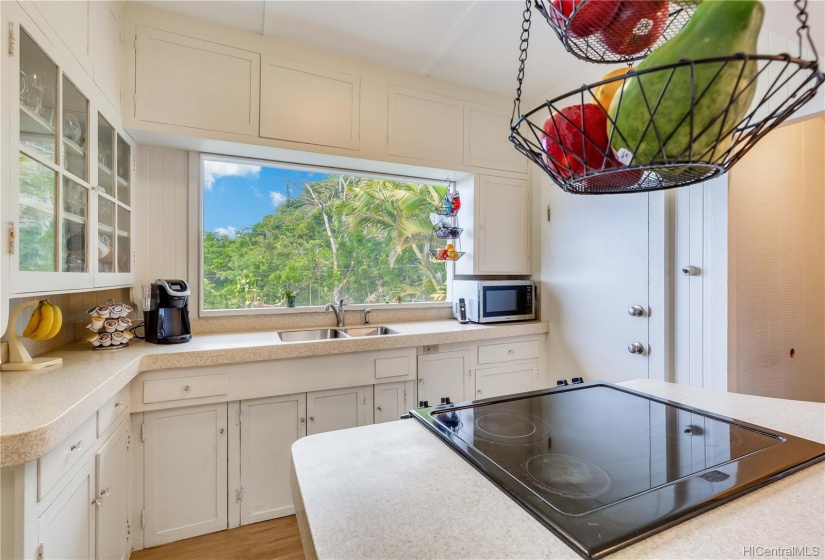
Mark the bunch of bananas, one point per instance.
(45, 322)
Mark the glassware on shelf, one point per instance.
(105, 151)
(38, 100)
(71, 127)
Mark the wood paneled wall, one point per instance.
(777, 269)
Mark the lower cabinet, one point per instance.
(338, 409)
(67, 528)
(185, 470)
(446, 374)
(390, 401)
(113, 490)
(269, 427)
(506, 380)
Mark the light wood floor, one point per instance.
(267, 540)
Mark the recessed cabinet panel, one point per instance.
(444, 375)
(113, 488)
(269, 427)
(506, 380)
(188, 82)
(70, 20)
(389, 402)
(185, 473)
(503, 226)
(310, 105)
(486, 140)
(336, 409)
(106, 55)
(67, 528)
(424, 126)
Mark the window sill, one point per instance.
(205, 313)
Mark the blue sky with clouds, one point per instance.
(238, 195)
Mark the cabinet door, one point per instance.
(67, 529)
(444, 375)
(113, 487)
(306, 104)
(185, 472)
(390, 401)
(486, 141)
(105, 19)
(176, 84)
(506, 380)
(70, 21)
(424, 126)
(269, 427)
(337, 409)
(503, 227)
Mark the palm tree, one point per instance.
(400, 212)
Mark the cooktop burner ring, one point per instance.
(511, 427)
(567, 476)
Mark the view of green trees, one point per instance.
(366, 239)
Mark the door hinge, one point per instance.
(136, 41)
(405, 397)
(40, 551)
(364, 401)
(548, 212)
(143, 518)
(12, 238)
(238, 417)
(143, 431)
(134, 163)
(12, 39)
(128, 530)
(128, 440)
(239, 494)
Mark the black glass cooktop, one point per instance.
(604, 466)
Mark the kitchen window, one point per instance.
(278, 236)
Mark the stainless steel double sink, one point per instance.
(329, 334)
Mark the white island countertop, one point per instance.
(395, 490)
(38, 409)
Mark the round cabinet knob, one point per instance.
(479, 391)
(636, 348)
(421, 380)
(186, 388)
(118, 404)
(510, 351)
(302, 420)
(76, 446)
(312, 419)
(379, 409)
(691, 270)
(636, 311)
(222, 431)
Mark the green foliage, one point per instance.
(366, 239)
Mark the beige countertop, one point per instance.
(39, 409)
(394, 490)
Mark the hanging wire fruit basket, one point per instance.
(664, 126)
(606, 31)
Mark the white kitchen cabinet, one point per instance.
(269, 427)
(307, 104)
(486, 139)
(391, 401)
(193, 83)
(497, 239)
(66, 530)
(105, 25)
(424, 126)
(185, 472)
(70, 21)
(506, 380)
(338, 409)
(446, 374)
(113, 488)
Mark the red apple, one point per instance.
(637, 27)
(592, 16)
(569, 151)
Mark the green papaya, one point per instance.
(718, 28)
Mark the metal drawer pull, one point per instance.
(186, 388)
(76, 446)
(96, 502)
(222, 431)
(379, 409)
(312, 419)
(636, 348)
(421, 380)
(118, 404)
(510, 351)
(302, 420)
(106, 492)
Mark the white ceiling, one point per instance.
(474, 43)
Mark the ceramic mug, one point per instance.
(104, 249)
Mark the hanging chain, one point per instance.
(522, 59)
(802, 16)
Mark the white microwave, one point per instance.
(494, 301)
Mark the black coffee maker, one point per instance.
(166, 312)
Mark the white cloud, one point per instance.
(276, 198)
(229, 231)
(213, 170)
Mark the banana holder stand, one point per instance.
(19, 358)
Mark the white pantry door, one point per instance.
(596, 258)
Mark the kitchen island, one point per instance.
(395, 490)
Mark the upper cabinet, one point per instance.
(300, 103)
(70, 21)
(105, 26)
(68, 168)
(193, 83)
(424, 126)
(486, 139)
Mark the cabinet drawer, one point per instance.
(179, 388)
(112, 410)
(493, 353)
(392, 367)
(53, 465)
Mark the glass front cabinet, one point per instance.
(71, 222)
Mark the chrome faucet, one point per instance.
(367, 316)
(339, 312)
